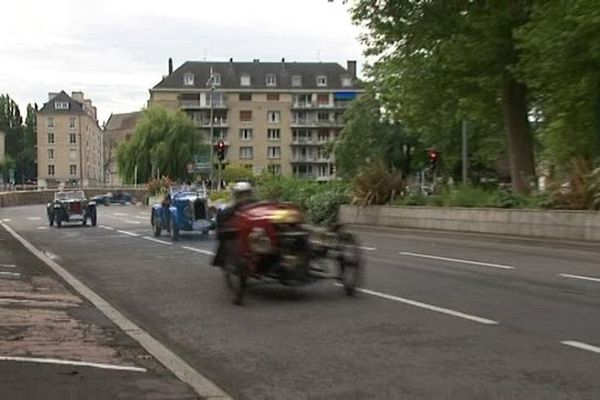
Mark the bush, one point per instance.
(581, 189)
(224, 195)
(376, 184)
(467, 196)
(159, 186)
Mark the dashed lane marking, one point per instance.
(42, 228)
(118, 214)
(584, 278)
(34, 218)
(15, 274)
(457, 260)
(8, 266)
(429, 307)
(110, 228)
(74, 363)
(367, 248)
(157, 240)
(201, 251)
(6, 219)
(128, 233)
(139, 217)
(582, 346)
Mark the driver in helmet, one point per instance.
(241, 195)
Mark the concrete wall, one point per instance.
(571, 225)
(24, 198)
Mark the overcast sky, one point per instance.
(114, 51)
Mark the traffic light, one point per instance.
(221, 150)
(434, 158)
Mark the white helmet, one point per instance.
(242, 187)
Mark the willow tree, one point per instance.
(164, 142)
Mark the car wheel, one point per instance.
(58, 221)
(174, 231)
(350, 263)
(156, 224)
(51, 220)
(84, 222)
(235, 277)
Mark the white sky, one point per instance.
(114, 51)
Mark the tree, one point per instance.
(368, 137)
(237, 173)
(440, 61)
(26, 159)
(561, 63)
(11, 124)
(163, 143)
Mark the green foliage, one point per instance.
(163, 143)
(224, 196)
(159, 186)
(20, 140)
(237, 173)
(581, 190)
(376, 184)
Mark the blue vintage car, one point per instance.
(182, 210)
(116, 197)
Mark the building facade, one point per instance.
(69, 141)
(118, 129)
(274, 116)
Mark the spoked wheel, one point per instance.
(350, 261)
(235, 276)
(94, 217)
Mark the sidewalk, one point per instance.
(85, 356)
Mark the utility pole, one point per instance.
(465, 161)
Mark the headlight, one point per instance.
(259, 242)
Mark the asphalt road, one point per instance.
(440, 315)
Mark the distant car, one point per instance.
(182, 210)
(71, 206)
(117, 197)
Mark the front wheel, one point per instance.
(94, 217)
(350, 262)
(58, 221)
(174, 231)
(156, 224)
(51, 220)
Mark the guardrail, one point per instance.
(548, 224)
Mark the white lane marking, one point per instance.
(585, 278)
(110, 228)
(138, 217)
(16, 274)
(6, 219)
(207, 252)
(366, 248)
(582, 346)
(201, 385)
(42, 228)
(156, 240)
(75, 363)
(118, 214)
(128, 233)
(8, 266)
(428, 306)
(131, 222)
(34, 218)
(483, 264)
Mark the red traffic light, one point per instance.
(221, 145)
(433, 155)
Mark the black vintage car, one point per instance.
(71, 206)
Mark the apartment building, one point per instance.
(118, 129)
(69, 141)
(278, 116)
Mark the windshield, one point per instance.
(75, 195)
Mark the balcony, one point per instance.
(300, 141)
(205, 122)
(303, 159)
(201, 105)
(303, 105)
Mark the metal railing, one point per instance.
(199, 104)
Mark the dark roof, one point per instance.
(74, 105)
(122, 121)
(231, 73)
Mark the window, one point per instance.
(188, 79)
(303, 100)
(273, 117)
(323, 136)
(61, 105)
(72, 154)
(72, 138)
(71, 122)
(272, 96)
(274, 169)
(245, 96)
(322, 116)
(50, 138)
(246, 153)
(321, 80)
(271, 80)
(51, 169)
(273, 134)
(245, 115)
(322, 99)
(296, 81)
(50, 122)
(248, 166)
(274, 152)
(245, 80)
(73, 169)
(216, 79)
(346, 81)
(246, 134)
(50, 154)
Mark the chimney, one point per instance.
(170, 65)
(77, 96)
(256, 60)
(351, 67)
(231, 59)
(282, 63)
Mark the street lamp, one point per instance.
(211, 83)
